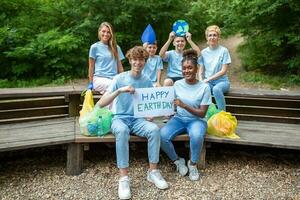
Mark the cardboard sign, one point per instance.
(153, 102)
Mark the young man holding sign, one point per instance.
(124, 123)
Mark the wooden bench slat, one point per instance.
(32, 102)
(29, 119)
(31, 134)
(260, 110)
(282, 103)
(32, 112)
(37, 143)
(267, 118)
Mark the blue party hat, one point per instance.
(148, 35)
(180, 27)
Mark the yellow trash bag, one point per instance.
(88, 103)
(222, 124)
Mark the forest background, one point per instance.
(47, 41)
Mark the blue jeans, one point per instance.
(196, 130)
(122, 128)
(218, 89)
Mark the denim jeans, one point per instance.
(196, 130)
(218, 89)
(123, 127)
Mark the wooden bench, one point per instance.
(49, 116)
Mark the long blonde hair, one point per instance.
(112, 44)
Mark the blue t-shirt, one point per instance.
(213, 59)
(152, 66)
(174, 63)
(192, 95)
(123, 103)
(105, 64)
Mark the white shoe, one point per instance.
(193, 172)
(124, 188)
(180, 166)
(155, 177)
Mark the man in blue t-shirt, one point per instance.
(124, 123)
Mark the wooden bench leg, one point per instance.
(74, 159)
(201, 163)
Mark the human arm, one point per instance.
(217, 75)
(200, 112)
(193, 45)
(108, 96)
(120, 67)
(163, 50)
(91, 69)
(158, 78)
(201, 72)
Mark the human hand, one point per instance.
(179, 103)
(128, 88)
(188, 36)
(172, 35)
(205, 80)
(157, 84)
(150, 119)
(90, 86)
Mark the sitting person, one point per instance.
(214, 63)
(104, 59)
(192, 100)
(174, 57)
(124, 123)
(153, 65)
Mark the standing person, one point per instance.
(104, 59)
(124, 123)
(174, 57)
(153, 65)
(214, 63)
(192, 100)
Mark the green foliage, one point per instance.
(276, 82)
(42, 39)
(272, 29)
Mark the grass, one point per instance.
(274, 82)
(5, 83)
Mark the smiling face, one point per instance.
(137, 65)
(151, 49)
(212, 38)
(189, 71)
(179, 43)
(105, 34)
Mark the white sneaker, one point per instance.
(180, 166)
(155, 177)
(194, 174)
(124, 188)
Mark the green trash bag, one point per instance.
(96, 123)
(212, 109)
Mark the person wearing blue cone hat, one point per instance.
(154, 64)
(179, 35)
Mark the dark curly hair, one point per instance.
(190, 55)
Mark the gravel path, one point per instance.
(232, 173)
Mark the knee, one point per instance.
(121, 134)
(216, 90)
(154, 131)
(168, 82)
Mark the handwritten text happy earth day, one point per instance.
(153, 102)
